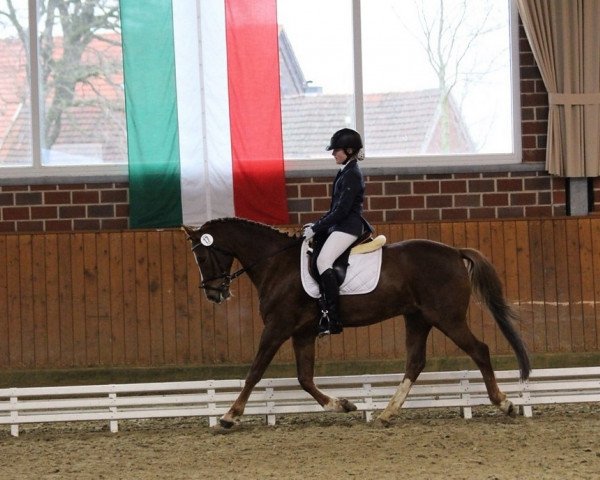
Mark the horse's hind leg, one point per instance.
(304, 349)
(416, 343)
(480, 353)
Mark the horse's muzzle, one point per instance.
(217, 296)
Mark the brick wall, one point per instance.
(64, 207)
(398, 197)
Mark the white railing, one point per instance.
(276, 396)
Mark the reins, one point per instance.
(229, 277)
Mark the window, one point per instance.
(428, 82)
(72, 118)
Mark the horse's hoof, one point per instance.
(509, 408)
(226, 424)
(381, 423)
(347, 405)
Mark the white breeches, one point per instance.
(334, 246)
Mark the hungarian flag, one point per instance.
(203, 111)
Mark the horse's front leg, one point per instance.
(271, 339)
(304, 350)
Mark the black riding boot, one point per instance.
(330, 320)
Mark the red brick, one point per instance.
(529, 141)
(533, 128)
(86, 196)
(42, 188)
(71, 212)
(121, 210)
(537, 184)
(438, 201)
(57, 198)
(28, 198)
(100, 211)
(44, 212)
(481, 213)
(58, 225)
(7, 199)
(411, 201)
(467, 200)
(523, 199)
(15, 188)
(495, 199)
(321, 204)
(113, 196)
(115, 224)
(7, 227)
(15, 213)
(292, 191)
(313, 190)
(538, 211)
(481, 186)
(453, 186)
(534, 156)
(510, 212)
(374, 217)
(426, 187)
(29, 226)
(528, 114)
(86, 225)
(455, 214)
(544, 198)
(398, 215)
(374, 188)
(397, 188)
(382, 203)
(426, 214)
(303, 205)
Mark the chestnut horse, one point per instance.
(427, 282)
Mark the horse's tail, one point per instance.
(487, 286)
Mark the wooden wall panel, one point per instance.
(4, 319)
(133, 298)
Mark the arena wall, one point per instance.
(131, 298)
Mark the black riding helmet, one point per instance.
(346, 138)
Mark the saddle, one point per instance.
(363, 244)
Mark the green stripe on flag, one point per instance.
(151, 112)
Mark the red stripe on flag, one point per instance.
(255, 111)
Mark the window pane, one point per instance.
(437, 77)
(81, 83)
(317, 83)
(15, 117)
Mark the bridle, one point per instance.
(226, 277)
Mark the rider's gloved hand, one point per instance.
(308, 232)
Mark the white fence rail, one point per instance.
(276, 396)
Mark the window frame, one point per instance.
(426, 162)
(37, 173)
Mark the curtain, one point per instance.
(565, 39)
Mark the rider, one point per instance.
(341, 225)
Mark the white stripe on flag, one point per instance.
(203, 110)
(217, 138)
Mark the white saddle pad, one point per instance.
(362, 275)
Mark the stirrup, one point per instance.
(324, 328)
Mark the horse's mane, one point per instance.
(251, 223)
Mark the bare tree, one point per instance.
(448, 35)
(65, 29)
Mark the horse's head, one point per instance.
(213, 261)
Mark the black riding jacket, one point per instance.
(345, 212)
